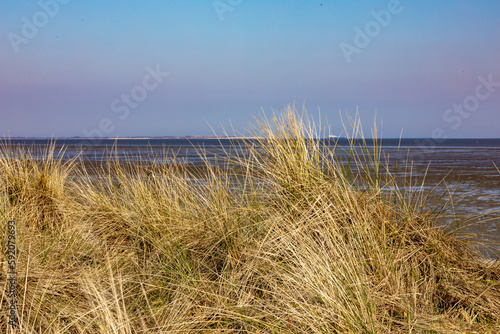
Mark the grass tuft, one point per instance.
(283, 236)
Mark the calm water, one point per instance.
(469, 165)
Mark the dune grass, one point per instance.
(284, 237)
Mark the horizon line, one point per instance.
(238, 137)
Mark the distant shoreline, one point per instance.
(139, 137)
(236, 137)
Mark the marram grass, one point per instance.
(285, 237)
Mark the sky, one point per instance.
(172, 68)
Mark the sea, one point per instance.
(462, 169)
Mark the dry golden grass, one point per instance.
(285, 238)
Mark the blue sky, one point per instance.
(76, 68)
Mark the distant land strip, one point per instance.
(141, 137)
